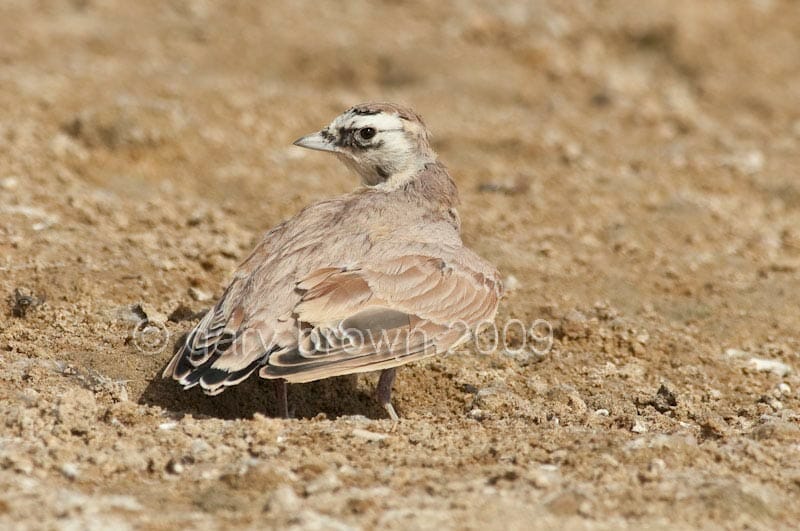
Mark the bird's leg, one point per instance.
(385, 383)
(282, 398)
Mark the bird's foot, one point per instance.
(392, 415)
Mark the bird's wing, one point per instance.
(227, 345)
(383, 314)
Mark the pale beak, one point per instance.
(317, 141)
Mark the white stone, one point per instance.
(369, 435)
(9, 183)
(70, 470)
(511, 283)
(773, 366)
(199, 295)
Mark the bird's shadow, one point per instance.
(344, 395)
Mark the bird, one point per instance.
(366, 281)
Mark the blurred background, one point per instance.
(631, 167)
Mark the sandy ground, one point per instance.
(630, 167)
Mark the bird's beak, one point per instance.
(317, 141)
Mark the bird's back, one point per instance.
(256, 317)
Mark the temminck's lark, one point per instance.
(366, 281)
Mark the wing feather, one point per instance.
(383, 314)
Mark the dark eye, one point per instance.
(366, 132)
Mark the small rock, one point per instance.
(751, 162)
(125, 503)
(369, 435)
(639, 426)
(602, 412)
(175, 467)
(511, 283)
(199, 295)
(746, 162)
(70, 470)
(784, 389)
(9, 183)
(664, 400)
(164, 264)
(773, 366)
(151, 314)
(476, 414)
(571, 151)
(24, 302)
(120, 393)
(772, 402)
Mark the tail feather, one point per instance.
(184, 366)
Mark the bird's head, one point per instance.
(386, 144)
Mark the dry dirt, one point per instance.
(632, 169)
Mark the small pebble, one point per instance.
(784, 388)
(151, 314)
(476, 414)
(69, 470)
(9, 183)
(751, 162)
(199, 295)
(773, 366)
(602, 412)
(511, 283)
(639, 427)
(174, 467)
(369, 435)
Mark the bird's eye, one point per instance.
(366, 132)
